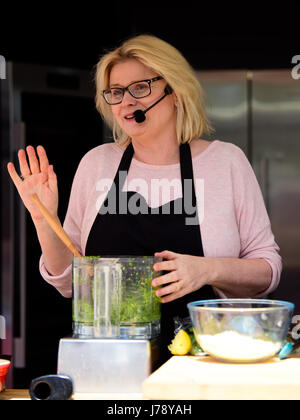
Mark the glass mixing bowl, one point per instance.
(241, 330)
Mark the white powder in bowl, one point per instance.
(234, 347)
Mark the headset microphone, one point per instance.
(140, 116)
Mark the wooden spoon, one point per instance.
(56, 226)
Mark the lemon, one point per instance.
(181, 344)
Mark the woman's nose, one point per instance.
(128, 99)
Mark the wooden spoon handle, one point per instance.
(56, 226)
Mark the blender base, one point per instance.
(107, 365)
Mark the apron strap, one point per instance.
(186, 167)
(124, 167)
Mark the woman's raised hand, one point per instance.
(37, 177)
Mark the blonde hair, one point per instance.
(169, 63)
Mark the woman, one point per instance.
(232, 251)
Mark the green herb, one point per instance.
(195, 348)
(84, 312)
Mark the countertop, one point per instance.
(23, 394)
(14, 394)
(203, 378)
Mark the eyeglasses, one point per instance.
(140, 89)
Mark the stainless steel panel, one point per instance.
(108, 365)
(276, 161)
(7, 190)
(20, 340)
(227, 105)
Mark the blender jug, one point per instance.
(113, 297)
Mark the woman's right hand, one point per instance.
(36, 178)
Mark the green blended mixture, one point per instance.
(83, 312)
(83, 291)
(138, 302)
(140, 306)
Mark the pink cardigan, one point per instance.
(233, 218)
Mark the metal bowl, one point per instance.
(241, 330)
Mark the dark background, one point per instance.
(211, 35)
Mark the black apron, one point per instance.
(149, 231)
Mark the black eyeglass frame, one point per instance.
(149, 81)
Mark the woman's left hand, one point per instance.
(187, 274)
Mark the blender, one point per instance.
(116, 324)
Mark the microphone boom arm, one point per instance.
(139, 115)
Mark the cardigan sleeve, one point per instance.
(257, 239)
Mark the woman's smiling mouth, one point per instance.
(129, 117)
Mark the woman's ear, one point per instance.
(175, 101)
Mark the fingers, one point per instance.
(165, 265)
(44, 163)
(173, 288)
(171, 292)
(38, 165)
(170, 255)
(52, 179)
(24, 168)
(13, 174)
(37, 162)
(171, 297)
(33, 161)
(173, 285)
(166, 278)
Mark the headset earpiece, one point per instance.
(168, 90)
